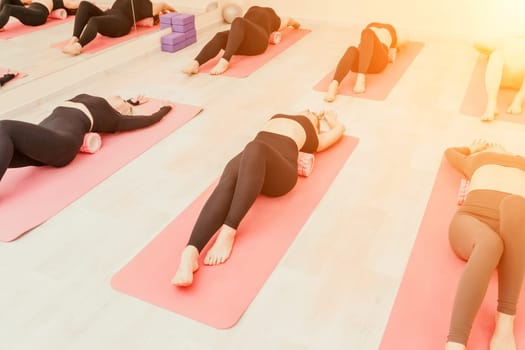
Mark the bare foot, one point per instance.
(73, 49)
(189, 263)
(220, 67)
(514, 108)
(293, 23)
(503, 338)
(360, 83)
(71, 41)
(490, 112)
(454, 346)
(192, 68)
(332, 91)
(221, 249)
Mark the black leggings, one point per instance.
(267, 165)
(244, 38)
(33, 15)
(55, 141)
(91, 20)
(370, 57)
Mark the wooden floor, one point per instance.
(336, 284)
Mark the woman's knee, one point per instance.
(84, 5)
(367, 34)
(255, 148)
(352, 51)
(237, 23)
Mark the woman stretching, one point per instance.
(115, 22)
(488, 231)
(267, 165)
(377, 47)
(58, 138)
(505, 68)
(36, 12)
(248, 35)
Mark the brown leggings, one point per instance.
(488, 231)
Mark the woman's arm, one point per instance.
(288, 22)
(458, 157)
(402, 38)
(141, 121)
(72, 4)
(161, 7)
(335, 132)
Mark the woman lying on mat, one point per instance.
(505, 68)
(488, 231)
(57, 139)
(267, 165)
(115, 22)
(249, 35)
(378, 46)
(36, 12)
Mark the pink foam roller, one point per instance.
(92, 143)
(146, 22)
(305, 164)
(275, 38)
(462, 192)
(58, 14)
(392, 54)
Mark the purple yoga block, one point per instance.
(173, 48)
(167, 18)
(190, 34)
(182, 28)
(183, 19)
(173, 38)
(190, 41)
(164, 25)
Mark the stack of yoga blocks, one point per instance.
(182, 34)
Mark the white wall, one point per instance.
(456, 18)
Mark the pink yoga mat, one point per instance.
(102, 42)
(475, 99)
(15, 28)
(221, 294)
(31, 195)
(378, 86)
(19, 76)
(242, 66)
(420, 317)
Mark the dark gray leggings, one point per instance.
(370, 57)
(91, 20)
(33, 15)
(244, 38)
(267, 165)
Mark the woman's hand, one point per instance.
(141, 99)
(330, 117)
(478, 145)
